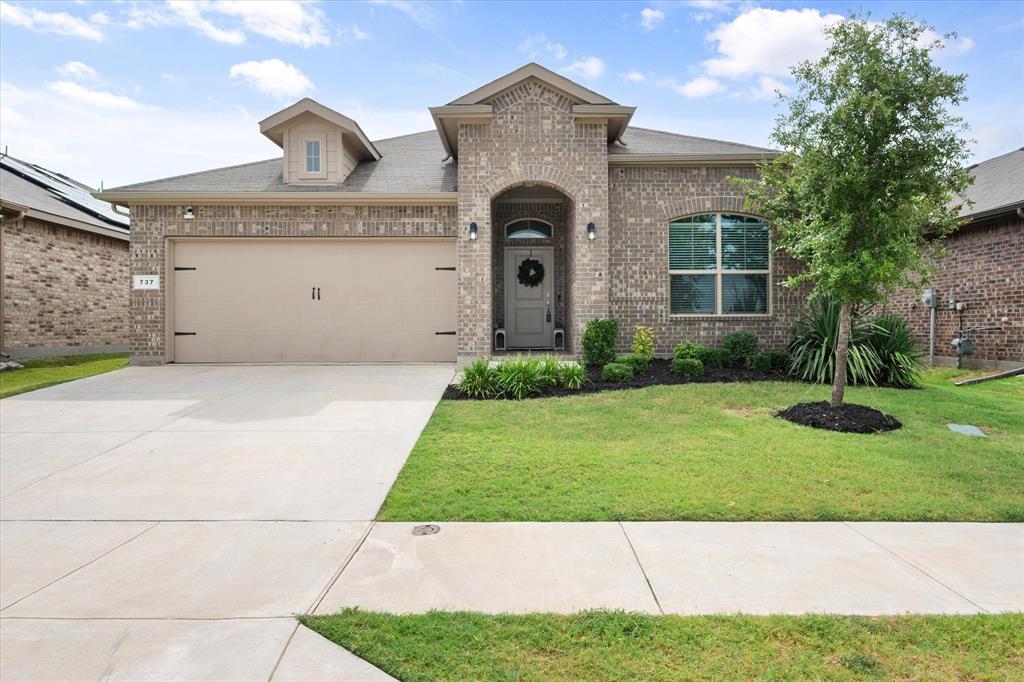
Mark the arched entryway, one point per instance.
(529, 266)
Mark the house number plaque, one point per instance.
(145, 281)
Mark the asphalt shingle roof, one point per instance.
(410, 163)
(30, 185)
(998, 183)
(646, 141)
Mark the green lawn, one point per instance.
(715, 452)
(619, 646)
(51, 371)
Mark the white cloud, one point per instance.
(768, 41)
(273, 77)
(650, 18)
(538, 46)
(93, 98)
(352, 32)
(766, 89)
(634, 76)
(60, 23)
(189, 14)
(77, 70)
(588, 68)
(701, 86)
(99, 18)
(286, 21)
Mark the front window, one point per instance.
(312, 156)
(718, 265)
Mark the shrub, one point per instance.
(573, 374)
(639, 363)
(688, 350)
(898, 354)
(709, 357)
(519, 378)
(549, 371)
(617, 372)
(760, 362)
(688, 367)
(812, 352)
(643, 342)
(479, 380)
(779, 360)
(599, 340)
(738, 346)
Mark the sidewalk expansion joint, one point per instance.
(643, 571)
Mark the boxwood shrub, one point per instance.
(688, 367)
(617, 372)
(738, 346)
(639, 363)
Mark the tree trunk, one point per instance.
(842, 350)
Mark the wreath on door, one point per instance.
(531, 272)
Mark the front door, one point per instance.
(529, 313)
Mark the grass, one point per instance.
(716, 452)
(600, 645)
(45, 372)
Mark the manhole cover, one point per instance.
(967, 430)
(428, 529)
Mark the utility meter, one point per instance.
(930, 298)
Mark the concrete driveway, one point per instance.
(167, 522)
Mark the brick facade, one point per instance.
(64, 290)
(642, 202)
(984, 269)
(532, 140)
(152, 225)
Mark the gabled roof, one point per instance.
(274, 125)
(475, 106)
(532, 70)
(47, 195)
(998, 186)
(409, 165)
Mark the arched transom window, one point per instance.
(528, 228)
(718, 265)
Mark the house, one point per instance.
(983, 271)
(63, 266)
(532, 208)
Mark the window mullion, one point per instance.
(718, 263)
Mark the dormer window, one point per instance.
(313, 157)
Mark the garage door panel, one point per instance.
(250, 301)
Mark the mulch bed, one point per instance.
(845, 418)
(659, 373)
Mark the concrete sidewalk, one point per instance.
(688, 568)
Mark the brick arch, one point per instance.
(548, 176)
(711, 204)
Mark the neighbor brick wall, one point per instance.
(985, 270)
(532, 139)
(642, 201)
(63, 288)
(151, 225)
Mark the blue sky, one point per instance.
(121, 92)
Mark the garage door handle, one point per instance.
(318, 293)
(444, 333)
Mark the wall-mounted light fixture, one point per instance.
(472, 232)
(189, 215)
(591, 232)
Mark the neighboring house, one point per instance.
(983, 270)
(426, 247)
(63, 266)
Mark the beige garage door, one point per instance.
(314, 300)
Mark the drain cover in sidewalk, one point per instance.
(428, 529)
(967, 430)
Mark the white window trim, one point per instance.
(718, 271)
(303, 173)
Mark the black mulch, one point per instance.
(846, 418)
(659, 373)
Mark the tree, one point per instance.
(872, 160)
